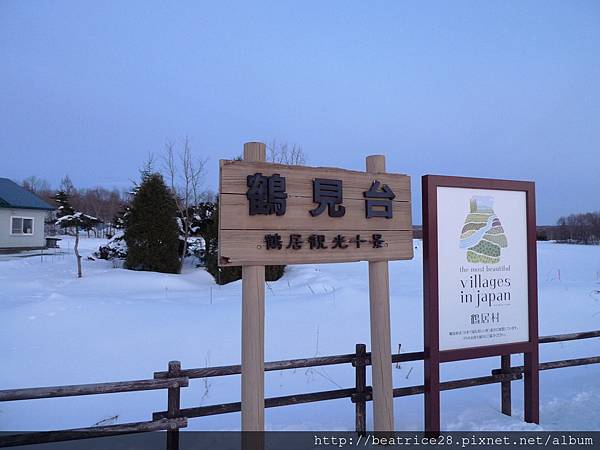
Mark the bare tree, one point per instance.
(101, 203)
(209, 196)
(36, 185)
(185, 175)
(66, 185)
(579, 228)
(69, 218)
(77, 221)
(39, 187)
(284, 153)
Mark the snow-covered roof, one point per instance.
(14, 196)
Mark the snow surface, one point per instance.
(116, 325)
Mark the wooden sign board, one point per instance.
(280, 214)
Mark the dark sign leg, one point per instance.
(431, 328)
(532, 358)
(532, 387)
(432, 395)
(505, 386)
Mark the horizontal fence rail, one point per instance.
(335, 394)
(45, 437)
(175, 378)
(91, 389)
(569, 337)
(555, 364)
(221, 371)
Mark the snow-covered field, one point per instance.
(116, 325)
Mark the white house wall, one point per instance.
(8, 240)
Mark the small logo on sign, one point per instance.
(482, 235)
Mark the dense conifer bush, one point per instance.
(208, 223)
(152, 234)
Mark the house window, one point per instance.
(21, 225)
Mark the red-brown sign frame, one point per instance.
(433, 356)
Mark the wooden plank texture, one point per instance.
(381, 347)
(43, 437)
(91, 389)
(241, 235)
(569, 336)
(289, 364)
(253, 348)
(237, 248)
(361, 386)
(253, 330)
(173, 405)
(299, 179)
(234, 216)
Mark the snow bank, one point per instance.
(113, 324)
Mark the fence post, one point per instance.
(505, 385)
(361, 387)
(173, 405)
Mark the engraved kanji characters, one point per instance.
(378, 197)
(328, 194)
(316, 241)
(339, 241)
(266, 194)
(295, 242)
(377, 240)
(273, 241)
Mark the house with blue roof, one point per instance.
(22, 217)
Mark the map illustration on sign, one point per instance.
(482, 234)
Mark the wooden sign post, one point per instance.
(253, 328)
(381, 347)
(480, 279)
(280, 214)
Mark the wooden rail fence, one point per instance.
(176, 378)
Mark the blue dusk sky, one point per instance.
(502, 89)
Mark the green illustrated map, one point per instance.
(483, 235)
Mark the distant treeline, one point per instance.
(99, 202)
(579, 229)
(105, 204)
(183, 172)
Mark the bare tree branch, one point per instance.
(186, 177)
(284, 153)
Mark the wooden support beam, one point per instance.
(253, 329)
(381, 348)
